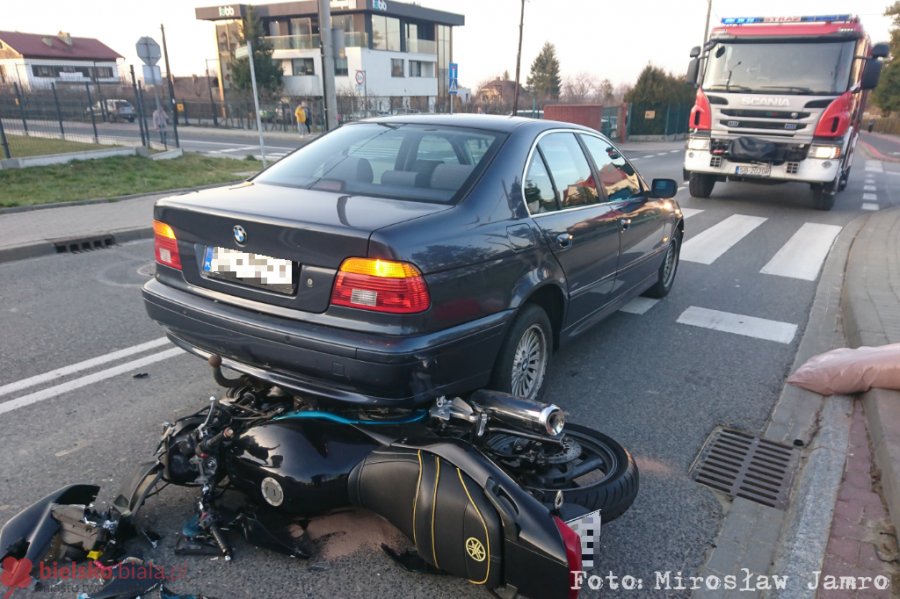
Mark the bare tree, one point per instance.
(580, 89)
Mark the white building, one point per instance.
(396, 56)
(33, 60)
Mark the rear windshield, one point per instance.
(410, 162)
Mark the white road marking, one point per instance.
(639, 305)
(869, 188)
(870, 196)
(803, 254)
(748, 326)
(689, 212)
(706, 247)
(869, 206)
(73, 368)
(648, 156)
(51, 392)
(874, 166)
(682, 188)
(662, 153)
(675, 151)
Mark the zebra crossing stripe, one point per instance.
(689, 212)
(706, 247)
(870, 206)
(739, 324)
(803, 254)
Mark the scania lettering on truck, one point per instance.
(780, 99)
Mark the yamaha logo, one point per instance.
(240, 235)
(764, 101)
(475, 549)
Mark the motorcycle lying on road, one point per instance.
(490, 487)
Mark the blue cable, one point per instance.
(316, 415)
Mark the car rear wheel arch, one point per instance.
(551, 300)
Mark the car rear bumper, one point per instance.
(338, 364)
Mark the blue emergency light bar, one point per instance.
(806, 19)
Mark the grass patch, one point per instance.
(112, 177)
(21, 146)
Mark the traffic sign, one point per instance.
(360, 77)
(148, 50)
(152, 75)
(454, 86)
(454, 71)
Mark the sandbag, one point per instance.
(844, 371)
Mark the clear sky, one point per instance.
(608, 40)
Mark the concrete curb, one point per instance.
(882, 408)
(47, 247)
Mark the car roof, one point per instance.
(492, 122)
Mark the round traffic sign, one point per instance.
(360, 77)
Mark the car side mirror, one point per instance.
(880, 50)
(871, 74)
(693, 71)
(663, 188)
(695, 51)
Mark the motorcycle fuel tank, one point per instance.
(298, 466)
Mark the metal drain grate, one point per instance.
(744, 465)
(84, 244)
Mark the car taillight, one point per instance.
(572, 542)
(836, 118)
(165, 245)
(701, 113)
(380, 285)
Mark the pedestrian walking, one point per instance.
(161, 121)
(300, 115)
(871, 125)
(308, 118)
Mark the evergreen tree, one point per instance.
(268, 72)
(887, 95)
(655, 86)
(544, 82)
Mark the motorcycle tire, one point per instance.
(614, 493)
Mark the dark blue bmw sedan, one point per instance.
(396, 260)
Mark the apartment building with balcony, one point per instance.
(403, 50)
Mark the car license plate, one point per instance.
(755, 170)
(256, 270)
(588, 529)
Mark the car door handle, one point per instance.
(564, 240)
(624, 223)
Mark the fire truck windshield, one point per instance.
(780, 67)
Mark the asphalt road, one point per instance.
(651, 380)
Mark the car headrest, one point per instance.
(352, 169)
(450, 176)
(399, 178)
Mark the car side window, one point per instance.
(538, 188)
(618, 178)
(570, 170)
(436, 148)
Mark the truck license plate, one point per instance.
(754, 170)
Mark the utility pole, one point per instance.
(171, 87)
(706, 28)
(518, 60)
(262, 145)
(328, 92)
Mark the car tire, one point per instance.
(524, 358)
(614, 493)
(823, 195)
(667, 270)
(701, 186)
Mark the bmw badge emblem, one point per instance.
(240, 235)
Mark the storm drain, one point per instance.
(744, 465)
(84, 244)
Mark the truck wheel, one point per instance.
(842, 180)
(701, 186)
(823, 195)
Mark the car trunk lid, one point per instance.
(306, 232)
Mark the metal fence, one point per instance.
(658, 119)
(34, 121)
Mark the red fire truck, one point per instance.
(780, 99)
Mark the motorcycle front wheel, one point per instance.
(598, 474)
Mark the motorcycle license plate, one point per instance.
(588, 529)
(754, 170)
(256, 270)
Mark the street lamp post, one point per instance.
(212, 105)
